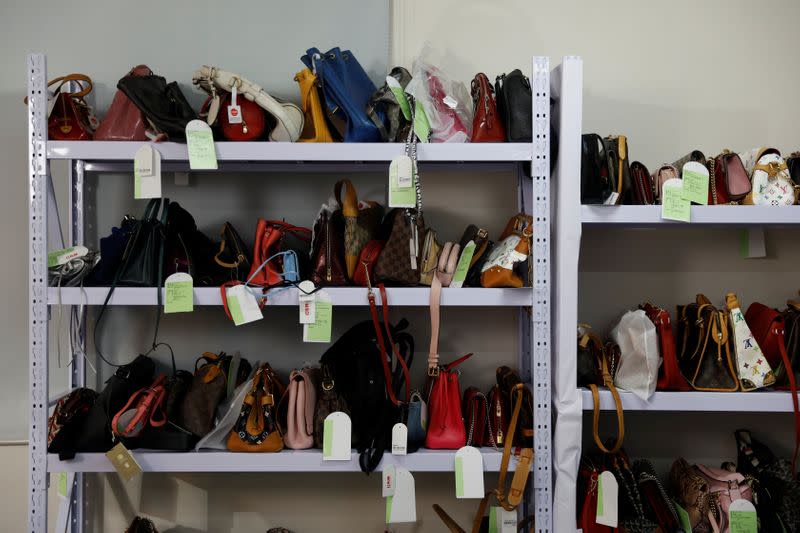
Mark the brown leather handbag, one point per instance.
(642, 184)
(475, 409)
(728, 180)
(399, 261)
(487, 126)
(124, 121)
(362, 220)
(233, 257)
(329, 400)
(257, 429)
(669, 375)
(497, 423)
(706, 351)
(315, 125)
(509, 381)
(329, 267)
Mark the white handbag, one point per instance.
(751, 364)
(289, 117)
(770, 179)
(636, 336)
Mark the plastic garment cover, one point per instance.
(227, 414)
(639, 360)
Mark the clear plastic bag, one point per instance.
(446, 102)
(637, 339)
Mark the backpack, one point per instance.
(354, 361)
(769, 175)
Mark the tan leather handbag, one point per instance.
(514, 247)
(301, 399)
(315, 127)
(256, 429)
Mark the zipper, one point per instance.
(328, 275)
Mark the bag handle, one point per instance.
(350, 206)
(795, 403)
(608, 382)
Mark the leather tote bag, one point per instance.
(315, 124)
(487, 124)
(635, 334)
(71, 118)
(257, 428)
(515, 105)
(301, 402)
(124, 121)
(446, 430)
(164, 105)
(347, 90)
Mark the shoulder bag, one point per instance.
(669, 374)
(706, 354)
(315, 125)
(598, 185)
(487, 125)
(474, 409)
(643, 193)
(301, 402)
(124, 121)
(728, 180)
(365, 266)
(752, 366)
(329, 400)
(656, 503)
(515, 105)
(617, 153)
(694, 155)
(497, 419)
(257, 428)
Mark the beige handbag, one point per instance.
(431, 248)
(301, 396)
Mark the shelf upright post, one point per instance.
(38, 169)
(540, 310)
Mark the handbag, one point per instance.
(397, 264)
(124, 121)
(365, 266)
(514, 248)
(752, 367)
(273, 237)
(112, 249)
(417, 420)
(657, 505)
(347, 90)
(479, 237)
(329, 400)
(728, 180)
(497, 417)
(144, 407)
(186, 249)
(257, 428)
(301, 401)
(664, 173)
(793, 164)
(315, 125)
(141, 525)
(691, 492)
(286, 117)
(631, 505)
(597, 365)
(487, 125)
(475, 414)
(233, 257)
(362, 220)
(398, 115)
(669, 374)
(515, 105)
(431, 248)
(240, 120)
(637, 369)
(724, 487)
(446, 429)
(598, 185)
(68, 418)
(510, 384)
(771, 183)
(617, 151)
(791, 316)
(694, 155)
(448, 260)
(706, 358)
(143, 258)
(164, 104)
(327, 249)
(643, 193)
(588, 476)
(71, 118)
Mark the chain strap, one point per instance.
(711, 167)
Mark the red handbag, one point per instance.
(487, 126)
(446, 429)
(253, 118)
(366, 263)
(497, 424)
(71, 118)
(768, 328)
(270, 235)
(124, 121)
(669, 375)
(587, 517)
(475, 409)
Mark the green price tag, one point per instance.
(327, 438)
(60, 257)
(599, 497)
(742, 515)
(389, 508)
(200, 143)
(493, 520)
(62, 484)
(421, 125)
(459, 477)
(683, 518)
(242, 305)
(179, 291)
(673, 205)
(463, 265)
(320, 330)
(399, 95)
(695, 187)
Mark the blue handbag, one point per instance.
(347, 90)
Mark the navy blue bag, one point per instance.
(112, 248)
(347, 90)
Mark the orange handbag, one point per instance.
(315, 127)
(256, 429)
(514, 248)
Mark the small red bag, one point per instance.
(71, 119)
(587, 512)
(124, 121)
(272, 237)
(366, 263)
(446, 429)
(487, 126)
(669, 375)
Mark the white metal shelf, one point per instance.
(757, 402)
(295, 152)
(341, 296)
(721, 215)
(423, 460)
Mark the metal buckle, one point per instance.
(433, 371)
(327, 385)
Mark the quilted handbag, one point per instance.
(257, 428)
(728, 180)
(301, 400)
(770, 178)
(288, 117)
(315, 125)
(487, 124)
(397, 113)
(657, 505)
(164, 104)
(124, 121)
(362, 220)
(347, 90)
(752, 366)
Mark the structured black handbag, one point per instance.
(163, 104)
(233, 257)
(142, 260)
(515, 105)
(187, 249)
(112, 248)
(597, 183)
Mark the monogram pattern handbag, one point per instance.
(257, 428)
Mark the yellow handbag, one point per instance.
(315, 128)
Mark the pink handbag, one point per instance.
(725, 487)
(124, 121)
(302, 400)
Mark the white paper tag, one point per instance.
(612, 199)
(607, 498)
(401, 168)
(234, 110)
(65, 255)
(450, 102)
(412, 253)
(469, 473)
(179, 293)
(502, 521)
(336, 437)
(200, 145)
(307, 302)
(742, 517)
(147, 173)
(320, 330)
(399, 439)
(242, 305)
(401, 183)
(388, 481)
(402, 507)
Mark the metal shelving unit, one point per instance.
(533, 303)
(635, 216)
(719, 402)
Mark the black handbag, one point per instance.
(395, 127)
(112, 248)
(95, 435)
(163, 104)
(186, 249)
(515, 105)
(233, 257)
(597, 183)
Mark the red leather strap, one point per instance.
(796, 405)
(400, 359)
(387, 372)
